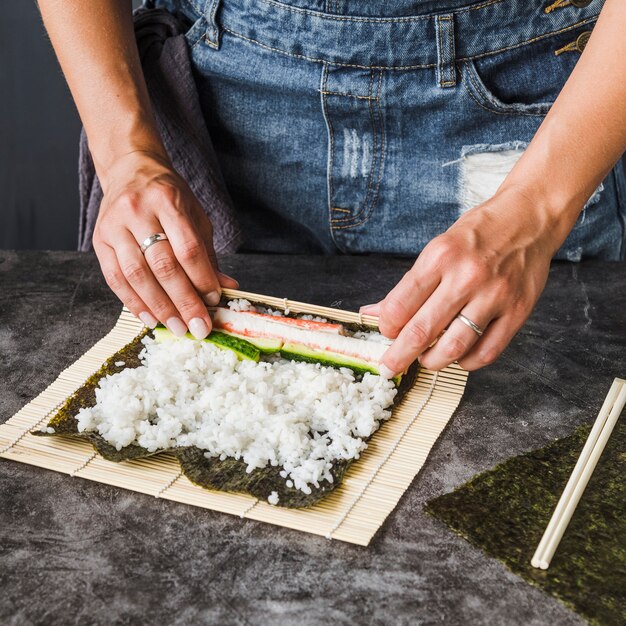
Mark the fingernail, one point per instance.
(212, 298)
(149, 320)
(385, 372)
(198, 328)
(228, 277)
(177, 326)
(366, 307)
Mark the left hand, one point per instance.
(491, 266)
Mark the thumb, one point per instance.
(206, 232)
(371, 309)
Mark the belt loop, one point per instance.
(446, 54)
(213, 31)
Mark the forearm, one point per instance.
(95, 45)
(584, 133)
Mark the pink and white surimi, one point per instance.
(315, 335)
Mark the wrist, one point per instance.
(551, 213)
(140, 159)
(135, 138)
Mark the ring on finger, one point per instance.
(468, 322)
(152, 239)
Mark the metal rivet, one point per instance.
(582, 39)
(580, 4)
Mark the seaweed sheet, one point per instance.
(210, 473)
(505, 511)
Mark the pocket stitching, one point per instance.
(366, 213)
(358, 214)
(331, 132)
(479, 92)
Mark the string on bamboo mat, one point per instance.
(38, 424)
(84, 464)
(384, 460)
(168, 484)
(246, 511)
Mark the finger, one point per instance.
(173, 279)
(191, 252)
(116, 280)
(459, 338)
(206, 232)
(421, 330)
(140, 277)
(227, 281)
(371, 309)
(496, 338)
(400, 304)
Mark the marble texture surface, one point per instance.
(77, 552)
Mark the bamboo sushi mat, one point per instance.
(353, 512)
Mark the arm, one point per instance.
(492, 264)
(143, 195)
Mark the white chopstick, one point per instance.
(598, 437)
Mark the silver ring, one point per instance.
(468, 322)
(148, 241)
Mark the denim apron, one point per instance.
(370, 126)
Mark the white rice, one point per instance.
(273, 498)
(372, 335)
(313, 318)
(241, 304)
(299, 416)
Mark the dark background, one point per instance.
(39, 129)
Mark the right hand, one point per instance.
(176, 279)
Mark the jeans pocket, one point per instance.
(527, 79)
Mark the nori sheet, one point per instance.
(64, 420)
(505, 511)
(227, 475)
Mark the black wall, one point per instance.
(39, 130)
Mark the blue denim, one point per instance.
(346, 125)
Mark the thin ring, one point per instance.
(468, 322)
(148, 241)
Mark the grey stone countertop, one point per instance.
(77, 552)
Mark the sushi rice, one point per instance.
(299, 416)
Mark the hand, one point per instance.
(491, 265)
(176, 278)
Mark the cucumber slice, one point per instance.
(300, 352)
(242, 348)
(162, 334)
(267, 345)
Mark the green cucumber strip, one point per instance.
(299, 352)
(242, 348)
(266, 345)
(251, 349)
(162, 334)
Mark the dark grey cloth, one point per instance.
(167, 69)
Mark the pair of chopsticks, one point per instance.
(598, 437)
